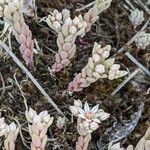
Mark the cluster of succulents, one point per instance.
(68, 29)
(99, 66)
(67, 34)
(88, 120)
(38, 126)
(143, 38)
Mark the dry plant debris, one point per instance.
(143, 144)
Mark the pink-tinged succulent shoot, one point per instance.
(66, 42)
(84, 138)
(99, 66)
(93, 14)
(68, 29)
(39, 124)
(10, 132)
(13, 16)
(88, 120)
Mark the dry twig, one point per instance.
(27, 72)
(85, 6)
(137, 63)
(125, 82)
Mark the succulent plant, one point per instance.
(10, 10)
(39, 124)
(99, 66)
(142, 40)
(87, 121)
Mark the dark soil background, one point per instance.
(113, 27)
